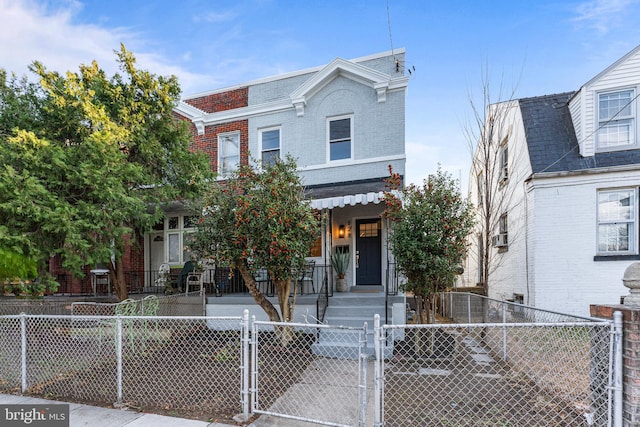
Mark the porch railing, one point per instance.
(223, 281)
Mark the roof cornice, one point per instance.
(377, 80)
(380, 82)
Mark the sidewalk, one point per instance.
(95, 416)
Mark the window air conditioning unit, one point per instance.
(499, 240)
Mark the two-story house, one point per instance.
(344, 124)
(565, 212)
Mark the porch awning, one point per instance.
(348, 200)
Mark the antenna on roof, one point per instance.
(400, 67)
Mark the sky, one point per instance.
(530, 48)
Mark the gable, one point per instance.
(380, 82)
(624, 74)
(552, 142)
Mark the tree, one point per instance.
(430, 224)
(493, 159)
(90, 172)
(259, 218)
(16, 267)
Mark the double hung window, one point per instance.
(340, 138)
(228, 153)
(270, 146)
(616, 122)
(617, 218)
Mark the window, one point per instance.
(340, 138)
(504, 163)
(617, 221)
(229, 153)
(179, 230)
(270, 145)
(480, 189)
(616, 127)
(501, 240)
(316, 248)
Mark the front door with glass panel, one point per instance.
(368, 252)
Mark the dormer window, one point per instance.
(616, 120)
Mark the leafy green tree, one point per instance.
(92, 169)
(259, 218)
(430, 224)
(15, 266)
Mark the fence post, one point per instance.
(468, 308)
(254, 364)
(119, 356)
(617, 369)
(504, 332)
(23, 350)
(363, 390)
(377, 371)
(245, 364)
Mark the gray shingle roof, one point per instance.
(552, 142)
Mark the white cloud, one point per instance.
(210, 17)
(602, 15)
(31, 31)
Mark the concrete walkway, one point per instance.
(95, 416)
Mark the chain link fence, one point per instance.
(180, 365)
(545, 369)
(183, 304)
(320, 373)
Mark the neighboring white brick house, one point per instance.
(573, 181)
(344, 123)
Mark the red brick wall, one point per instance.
(630, 358)
(221, 101)
(208, 142)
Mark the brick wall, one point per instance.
(630, 358)
(223, 101)
(208, 142)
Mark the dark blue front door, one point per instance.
(368, 252)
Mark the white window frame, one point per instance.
(329, 141)
(262, 150)
(180, 233)
(504, 163)
(221, 137)
(632, 236)
(610, 122)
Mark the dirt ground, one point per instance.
(194, 372)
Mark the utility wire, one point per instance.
(603, 124)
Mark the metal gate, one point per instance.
(324, 378)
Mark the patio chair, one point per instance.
(164, 276)
(193, 279)
(306, 276)
(263, 282)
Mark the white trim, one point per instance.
(209, 119)
(221, 175)
(633, 117)
(380, 82)
(268, 129)
(340, 163)
(633, 237)
(276, 77)
(377, 80)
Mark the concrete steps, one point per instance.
(349, 312)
